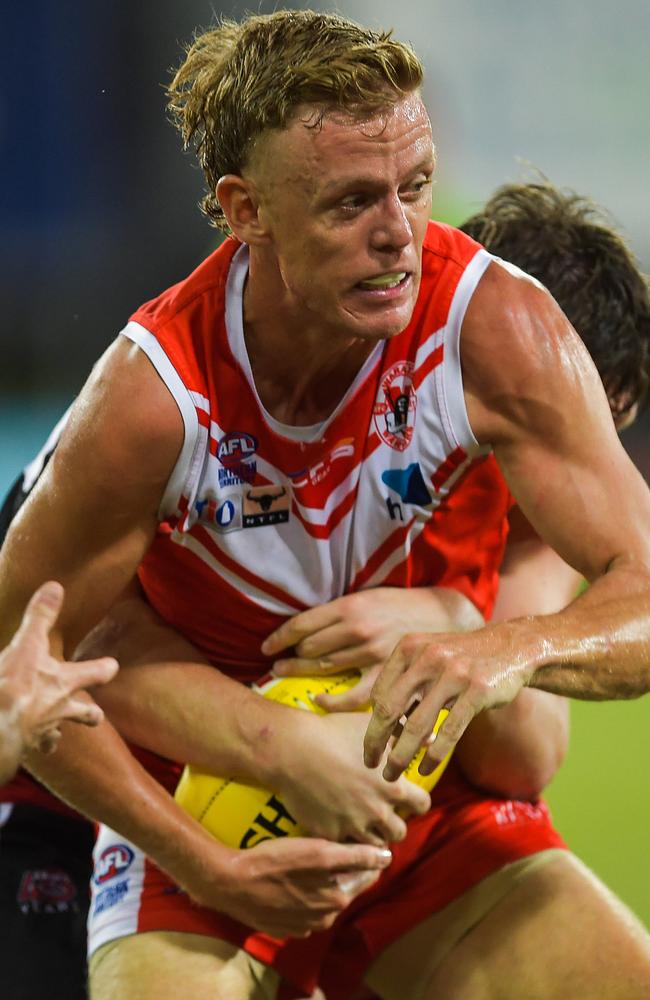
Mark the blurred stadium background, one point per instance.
(98, 213)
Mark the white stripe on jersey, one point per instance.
(191, 449)
(449, 377)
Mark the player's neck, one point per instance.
(301, 370)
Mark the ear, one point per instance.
(239, 200)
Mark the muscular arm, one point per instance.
(550, 425)
(93, 513)
(547, 417)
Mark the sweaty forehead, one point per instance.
(314, 146)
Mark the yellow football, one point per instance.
(242, 815)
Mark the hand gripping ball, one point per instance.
(242, 815)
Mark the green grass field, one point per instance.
(600, 799)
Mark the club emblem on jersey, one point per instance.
(266, 505)
(394, 410)
(236, 451)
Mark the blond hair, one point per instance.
(239, 79)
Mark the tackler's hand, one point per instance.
(426, 673)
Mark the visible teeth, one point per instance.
(384, 280)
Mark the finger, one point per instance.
(336, 663)
(333, 639)
(82, 711)
(389, 699)
(88, 673)
(377, 835)
(354, 700)
(391, 827)
(440, 744)
(292, 631)
(357, 698)
(42, 610)
(411, 799)
(354, 884)
(416, 732)
(352, 857)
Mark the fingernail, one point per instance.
(279, 669)
(266, 647)
(385, 855)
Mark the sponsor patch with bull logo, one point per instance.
(253, 507)
(266, 505)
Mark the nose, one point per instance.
(392, 232)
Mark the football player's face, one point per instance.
(346, 206)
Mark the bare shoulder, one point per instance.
(125, 423)
(95, 509)
(524, 366)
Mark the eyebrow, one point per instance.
(341, 186)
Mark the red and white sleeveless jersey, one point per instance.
(261, 520)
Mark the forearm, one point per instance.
(95, 773)
(515, 751)
(167, 698)
(193, 713)
(599, 646)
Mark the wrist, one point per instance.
(283, 769)
(198, 863)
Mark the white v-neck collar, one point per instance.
(235, 330)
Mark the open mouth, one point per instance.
(384, 282)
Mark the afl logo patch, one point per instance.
(235, 448)
(113, 861)
(394, 411)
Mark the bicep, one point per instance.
(547, 418)
(579, 489)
